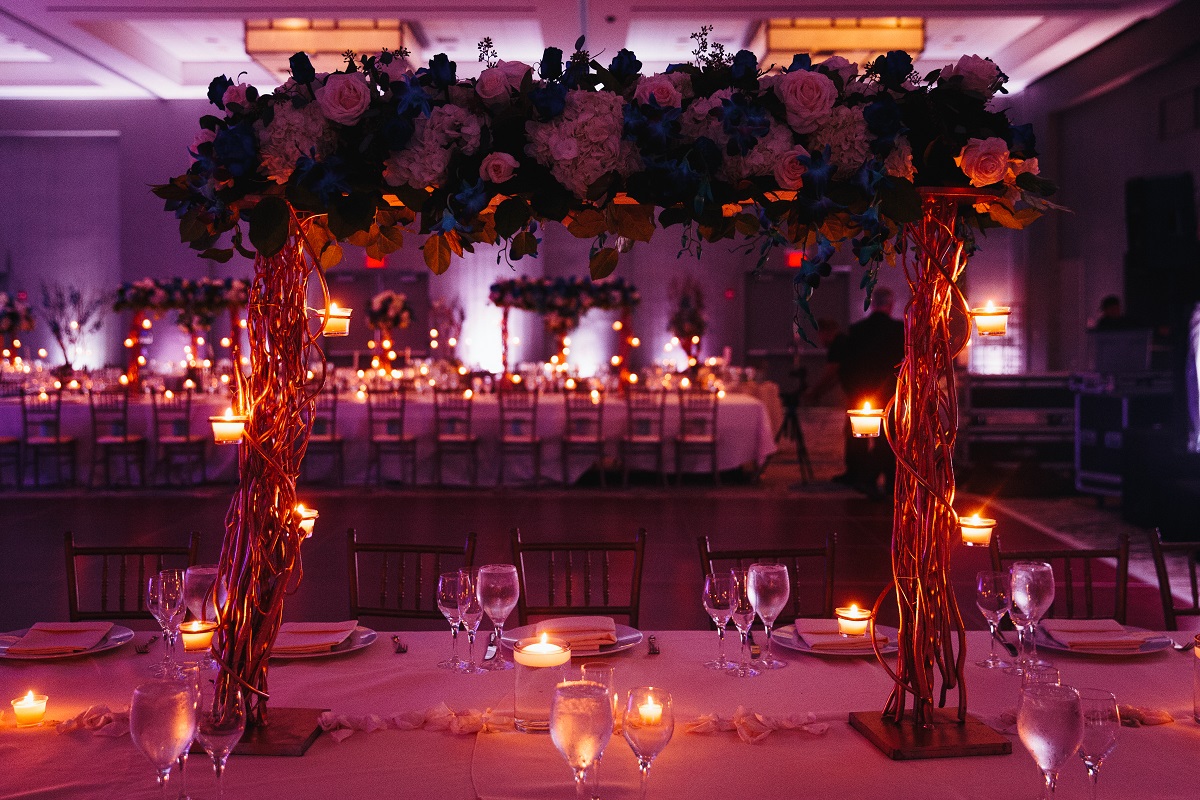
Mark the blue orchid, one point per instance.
(413, 97)
(549, 101)
(471, 199)
(744, 121)
(441, 71)
(884, 120)
(651, 125)
(236, 149)
(326, 179)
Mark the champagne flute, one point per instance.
(994, 600)
(172, 607)
(471, 614)
(769, 590)
(718, 605)
(447, 602)
(162, 723)
(581, 724)
(742, 614)
(498, 591)
(153, 605)
(220, 725)
(1032, 596)
(1101, 720)
(1050, 724)
(648, 725)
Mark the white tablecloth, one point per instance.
(1158, 762)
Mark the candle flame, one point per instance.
(989, 306)
(29, 696)
(545, 638)
(229, 413)
(853, 608)
(333, 307)
(867, 406)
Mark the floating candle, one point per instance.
(865, 422)
(991, 319)
(30, 709)
(228, 429)
(852, 620)
(197, 635)
(976, 530)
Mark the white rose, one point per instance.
(978, 75)
(496, 84)
(984, 161)
(396, 69)
(789, 172)
(841, 66)
(661, 89)
(236, 94)
(899, 163)
(344, 97)
(203, 137)
(808, 97)
(497, 167)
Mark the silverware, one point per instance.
(491, 650)
(755, 650)
(1182, 648)
(653, 642)
(143, 649)
(1009, 646)
(401, 647)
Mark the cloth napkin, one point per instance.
(584, 634)
(753, 727)
(100, 720)
(298, 638)
(1094, 634)
(56, 638)
(822, 634)
(439, 718)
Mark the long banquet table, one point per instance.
(1158, 762)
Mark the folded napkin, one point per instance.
(584, 634)
(822, 634)
(100, 720)
(298, 638)
(439, 718)
(57, 638)
(753, 727)
(1094, 634)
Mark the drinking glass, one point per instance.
(717, 604)
(581, 724)
(190, 674)
(603, 674)
(471, 614)
(994, 600)
(1032, 675)
(162, 722)
(1032, 595)
(742, 614)
(1101, 720)
(769, 590)
(1050, 724)
(202, 596)
(648, 725)
(447, 602)
(498, 591)
(219, 727)
(154, 607)
(172, 606)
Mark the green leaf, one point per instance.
(586, 224)
(388, 240)
(523, 244)
(633, 221)
(673, 216)
(269, 225)
(1035, 185)
(354, 212)
(437, 253)
(603, 262)
(511, 216)
(746, 224)
(900, 202)
(220, 255)
(331, 256)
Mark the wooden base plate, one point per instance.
(946, 738)
(288, 732)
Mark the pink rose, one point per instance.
(203, 137)
(496, 84)
(396, 69)
(984, 161)
(789, 172)
(979, 75)
(841, 66)
(807, 97)
(236, 94)
(497, 167)
(661, 89)
(344, 97)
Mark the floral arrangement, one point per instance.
(389, 311)
(561, 302)
(687, 320)
(72, 317)
(15, 315)
(812, 156)
(197, 301)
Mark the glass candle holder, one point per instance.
(540, 666)
(976, 530)
(30, 709)
(991, 320)
(197, 635)
(865, 422)
(852, 620)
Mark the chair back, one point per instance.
(400, 580)
(41, 415)
(324, 414)
(110, 413)
(697, 415)
(1074, 576)
(645, 410)
(12, 384)
(452, 413)
(518, 414)
(110, 582)
(584, 416)
(1189, 551)
(385, 414)
(809, 568)
(172, 415)
(574, 578)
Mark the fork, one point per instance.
(143, 649)
(401, 647)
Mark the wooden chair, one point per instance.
(645, 412)
(403, 578)
(1189, 550)
(583, 431)
(800, 561)
(577, 578)
(518, 429)
(122, 573)
(1065, 561)
(111, 437)
(385, 431)
(41, 434)
(697, 431)
(452, 430)
(174, 442)
(324, 441)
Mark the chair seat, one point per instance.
(119, 440)
(527, 438)
(582, 439)
(457, 438)
(391, 438)
(642, 439)
(696, 438)
(180, 440)
(7, 440)
(324, 438)
(48, 441)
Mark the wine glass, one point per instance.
(603, 674)
(471, 614)
(155, 608)
(994, 599)
(581, 723)
(1032, 595)
(1101, 719)
(742, 614)
(172, 607)
(769, 590)
(190, 675)
(498, 590)
(1050, 724)
(447, 602)
(219, 726)
(162, 722)
(648, 725)
(717, 604)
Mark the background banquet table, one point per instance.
(1158, 762)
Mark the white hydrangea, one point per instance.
(293, 132)
(696, 122)
(899, 162)
(585, 142)
(447, 130)
(844, 131)
(762, 158)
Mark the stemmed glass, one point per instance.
(718, 605)
(1032, 595)
(1050, 724)
(1101, 719)
(994, 600)
(200, 594)
(166, 603)
(162, 722)
(769, 590)
(471, 614)
(603, 674)
(581, 724)
(220, 723)
(742, 614)
(155, 607)
(190, 674)
(648, 725)
(498, 590)
(447, 602)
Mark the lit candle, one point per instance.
(976, 530)
(852, 621)
(197, 635)
(865, 422)
(308, 519)
(650, 711)
(541, 652)
(337, 322)
(29, 709)
(991, 320)
(229, 428)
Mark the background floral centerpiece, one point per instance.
(16, 318)
(389, 311)
(687, 322)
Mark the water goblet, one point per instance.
(648, 724)
(581, 724)
(603, 674)
(1050, 724)
(742, 614)
(159, 670)
(994, 600)
(498, 591)
(162, 723)
(447, 602)
(1032, 595)
(219, 726)
(172, 607)
(717, 604)
(470, 612)
(1101, 720)
(190, 675)
(769, 589)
